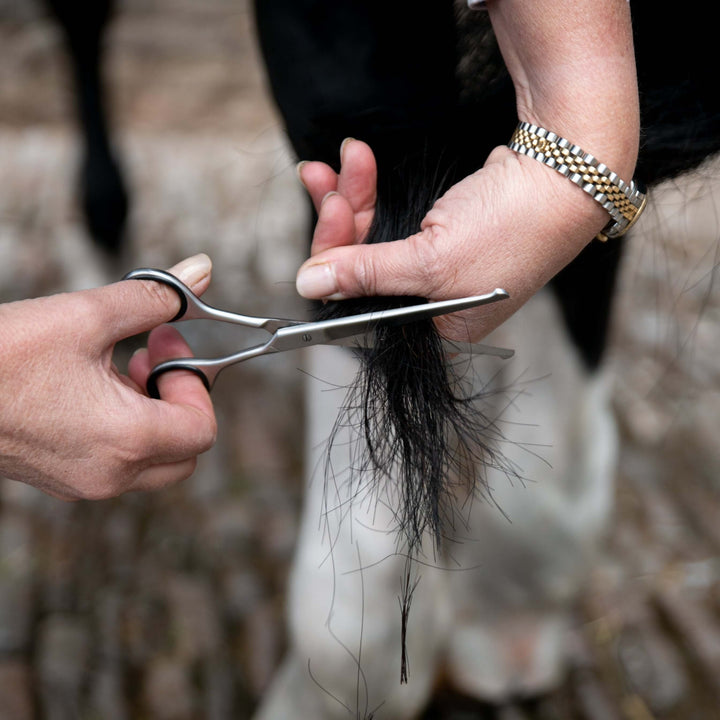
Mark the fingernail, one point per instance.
(327, 195)
(298, 170)
(344, 144)
(193, 269)
(317, 281)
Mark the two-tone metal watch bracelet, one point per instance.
(623, 202)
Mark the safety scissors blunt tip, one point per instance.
(287, 335)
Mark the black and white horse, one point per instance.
(490, 614)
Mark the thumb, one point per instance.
(401, 267)
(130, 307)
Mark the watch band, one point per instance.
(623, 202)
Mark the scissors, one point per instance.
(351, 331)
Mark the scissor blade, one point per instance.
(329, 332)
(452, 347)
(464, 348)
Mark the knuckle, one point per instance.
(100, 490)
(212, 434)
(66, 495)
(208, 435)
(159, 296)
(188, 468)
(365, 274)
(429, 261)
(180, 472)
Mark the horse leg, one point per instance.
(345, 646)
(104, 198)
(525, 567)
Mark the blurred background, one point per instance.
(170, 606)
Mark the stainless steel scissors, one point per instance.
(351, 331)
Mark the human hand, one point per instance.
(71, 424)
(512, 224)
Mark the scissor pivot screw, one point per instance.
(307, 337)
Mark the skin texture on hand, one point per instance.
(514, 223)
(70, 423)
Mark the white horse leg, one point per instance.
(345, 647)
(512, 606)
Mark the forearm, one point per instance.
(573, 67)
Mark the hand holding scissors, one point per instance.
(351, 331)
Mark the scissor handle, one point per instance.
(193, 308)
(181, 364)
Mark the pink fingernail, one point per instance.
(344, 144)
(193, 269)
(327, 195)
(317, 281)
(298, 169)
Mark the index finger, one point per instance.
(358, 177)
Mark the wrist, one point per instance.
(573, 67)
(623, 201)
(566, 218)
